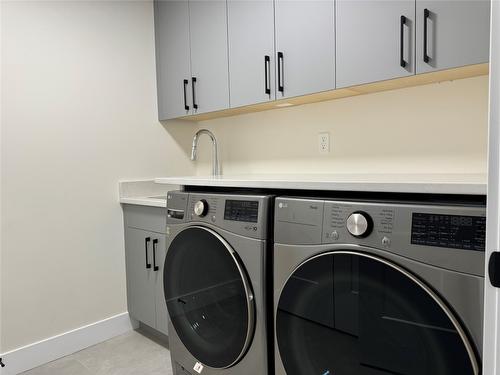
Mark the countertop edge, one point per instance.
(425, 187)
(145, 202)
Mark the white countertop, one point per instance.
(144, 193)
(469, 184)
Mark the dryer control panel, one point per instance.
(446, 236)
(453, 231)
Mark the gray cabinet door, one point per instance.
(209, 56)
(455, 33)
(161, 305)
(140, 279)
(173, 68)
(251, 51)
(305, 47)
(374, 42)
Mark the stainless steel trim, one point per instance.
(248, 293)
(199, 208)
(429, 291)
(215, 152)
(357, 224)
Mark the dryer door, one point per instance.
(208, 296)
(349, 313)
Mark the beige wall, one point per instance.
(439, 128)
(78, 114)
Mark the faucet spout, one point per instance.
(215, 156)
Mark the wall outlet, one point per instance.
(324, 143)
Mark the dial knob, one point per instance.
(201, 208)
(359, 224)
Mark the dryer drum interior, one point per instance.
(208, 296)
(346, 313)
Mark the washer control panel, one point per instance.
(450, 236)
(247, 215)
(241, 210)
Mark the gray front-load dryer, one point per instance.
(215, 283)
(371, 288)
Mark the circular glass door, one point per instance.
(347, 313)
(208, 297)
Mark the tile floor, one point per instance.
(134, 353)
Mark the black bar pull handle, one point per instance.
(193, 81)
(281, 80)
(494, 269)
(155, 245)
(402, 61)
(267, 69)
(147, 241)
(186, 107)
(427, 15)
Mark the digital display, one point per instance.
(241, 211)
(452, 231)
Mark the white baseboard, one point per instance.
(39, 353)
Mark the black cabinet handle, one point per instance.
(193, 80)
(155, 243)
(186, 107)
(426, 19)
(494, 269)
(148, 239)
(402, 61)
(281, 80)
(267, 69)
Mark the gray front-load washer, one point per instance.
(215, 282)
(370, 288)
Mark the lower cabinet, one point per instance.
(144, 256)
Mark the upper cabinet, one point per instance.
(375, 40)
(173, 61)
(305, 47)
(214, 55)
(191, 57)
(209, 56)
(452, 33)
(251, 51)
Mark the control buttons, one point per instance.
(334, 235)
(213, 218)
(201, 208)
(359, 224)
(386, 241)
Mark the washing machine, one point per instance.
(378, 287)
(215, 280)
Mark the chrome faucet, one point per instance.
(215, 156)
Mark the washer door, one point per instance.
(208, 297)
(349, 313)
